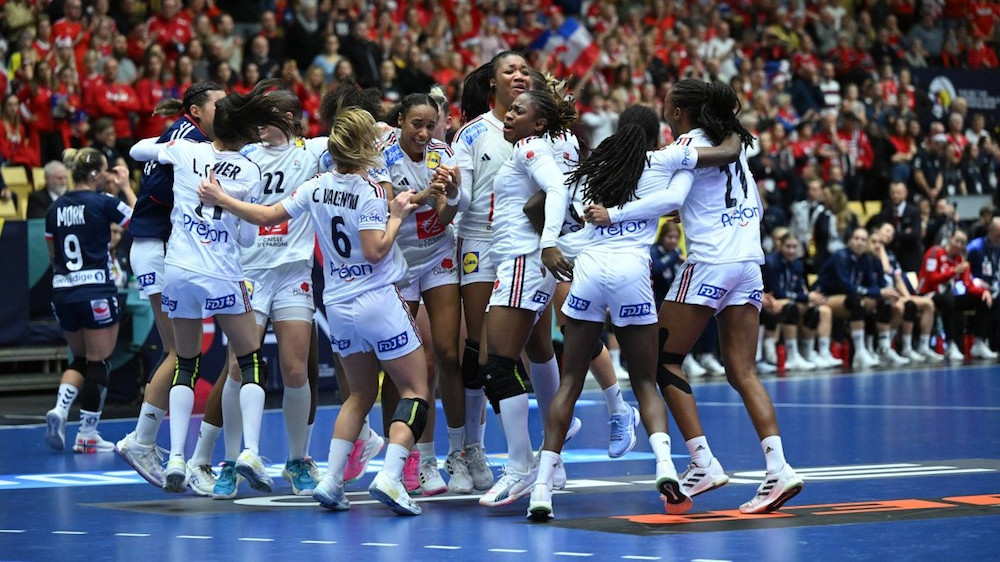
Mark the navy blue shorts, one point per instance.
(92, 314)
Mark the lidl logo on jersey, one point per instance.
(146, 279)
(470, 262)
(339, 344)
(433, 160)
(395, 342)
(428, 224)
(641, 309)
(740, 216)
(711, 291)
(622, 228)
(541, 297)
(350, 272)
(221, 303)
(204, 231)
(576, 303)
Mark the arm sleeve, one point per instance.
(145, 150)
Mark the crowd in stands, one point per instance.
(826, 85)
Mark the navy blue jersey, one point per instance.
(78, 226)
(151, 218)
(664, 269)
(844, 273)
(785, 279)
(984, 262)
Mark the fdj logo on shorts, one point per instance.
(339, 344)
(470, 262)
(167, 303)
(395, 342)
(641, 309)
(204, 231)
(711, 291)
(146, 279)
(756, 295)
(541, 297)
(576, 303)
(220, 303)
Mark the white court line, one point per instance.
(132, 534)
(196, 537)
(256, 539)
(318, 542)
(635, 557)
(378, 544)
(579, 554)
(508, 550)
(12, 531)
(69, 532)
(442, 547)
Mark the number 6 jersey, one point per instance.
(340, 206)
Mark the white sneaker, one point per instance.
(698, 480)
(147, 460)
(574, 427)
(540, 504)
(201, 478)
(914, 356)
(623, 426)
(863, 360)
(954, 354)
(930, 355)
(668, 484)
(774, 491)
(765, 368)
(826, 361)
(55, 429)
(479, 467)
(712, 365)
(393, 494)
(692, 368)
(175, 476)
(330, 496)
(250, 466)
(92, 443)
(511, 487)
(894, 359)
(457, 467)
(797, 363)
(431, 483)
(981, 350)
(559, 475)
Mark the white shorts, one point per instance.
(718, 285)
(377, 320)
(437, 270)
(187, 294)
(477, 267)
(146, 257)
(523, 282)
(618, 283)
(284, 286)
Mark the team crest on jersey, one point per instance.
(470, 262)
(428, 224)
(711, 291)
(433, 160)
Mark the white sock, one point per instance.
(309, 438)
(252, 406)
(232, 419)
(340, 450)
(514, 418)
(395, 458)
(616, 357)
(65, 397)
(809, 345)
(181, 404)
(660, 443)
(884, 342)
(925, 341)
(613, 396)
(366, 430)
(774, 455)
(474, 400)
(456, 439)
(547, 463)
(907, 342)
(770, 349)
(208, 434)
(824, 346)
(148, 424)
(88, 421)
(858, 337)
(701, 453)
(791, 350)
(426, 451)
(295, 406)
(545, 382)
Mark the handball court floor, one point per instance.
(898, 465)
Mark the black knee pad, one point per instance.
(910, 311)
(163, 357)
(412, 412)
(98, 372)
(470, 366)
(883, 314)
(78, 364)
(186, 371)
(598, 348)
(790, 313)
(664, 336)
(253, 369)
(854, 307)
(96, 376)
(769, 321)
(502, 380)
(811, 318)
(665, 378)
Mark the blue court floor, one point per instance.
(899, 465)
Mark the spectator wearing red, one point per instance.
(117, 101)
(66, 108)
(151, 90)
(91, 82)
(102, 40)
(170, 28)
(979, 55)
(983, 15)
(18, 143)
(36, 101)
(43, 41)
(249, 76)
(313, 90)
(71, 25)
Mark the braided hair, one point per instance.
(553, 104)
(714, 108)
(613, 170)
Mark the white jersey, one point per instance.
(567, 151)
(421, 234)
(204, 239)
(721, 216)
(667, 172)
(532, 168)
(340, 206)
(480, 150)
(284, 168)
(377, 173)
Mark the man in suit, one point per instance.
(905, 216)
(56, 182)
